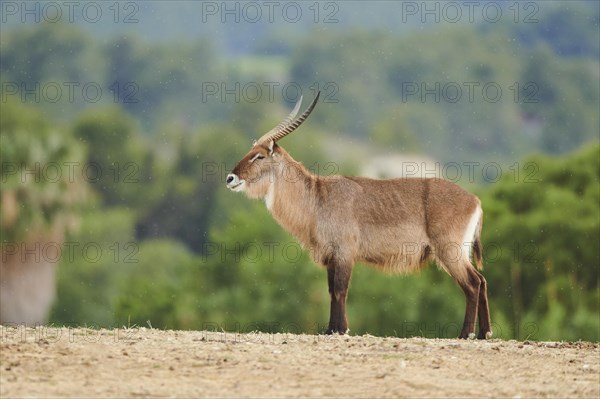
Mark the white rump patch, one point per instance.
(469, 236)
(270, 197)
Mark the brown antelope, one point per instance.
(397, 225)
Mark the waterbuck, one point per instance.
(397, 225)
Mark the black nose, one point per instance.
(229, 179)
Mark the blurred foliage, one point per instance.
(94, 260)
(541, 228)
(179, 250)
(442, 96)
(114, 154)
(160, 270)
(486, 96)
(42, 183)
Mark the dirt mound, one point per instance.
(140, 362)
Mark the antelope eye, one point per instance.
(257, 156)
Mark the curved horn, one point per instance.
(286, 126)
(285, 122)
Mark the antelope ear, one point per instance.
(270, 148)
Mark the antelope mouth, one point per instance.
(236, 187)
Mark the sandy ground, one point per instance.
(141, 362)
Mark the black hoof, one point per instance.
(331, 331)
(464, 335)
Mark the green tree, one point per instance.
(561, 97)
(49, 52)
(187, 203)
(41, 193)
(150, 290)
(541, 230)
(115, 154)
(95, 262)
(42, 183)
